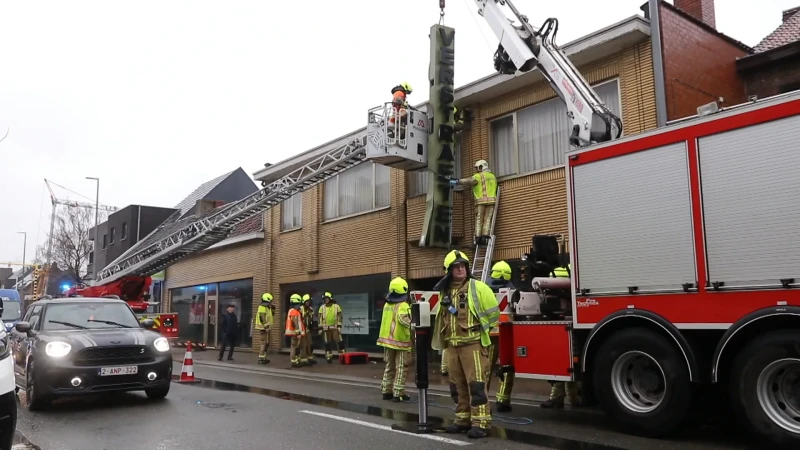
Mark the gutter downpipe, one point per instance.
(658, 62)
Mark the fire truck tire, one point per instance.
(642, 382)
(765, 379)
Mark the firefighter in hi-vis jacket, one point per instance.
(500, 279)
(468, 312)
(330, 325)
(296, 329)
(263, 323)
(308, 319)
(395, 338)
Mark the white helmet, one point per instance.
(482, 165)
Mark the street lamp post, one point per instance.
(24, 248)
(96, 223)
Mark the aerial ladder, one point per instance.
(176, 239)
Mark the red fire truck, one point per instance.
(134, 290)
(685, 261)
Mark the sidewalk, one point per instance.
(372, 372)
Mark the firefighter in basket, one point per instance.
(263, 323)
(296, 329)
(400, 95)
(484, 188)
(500, 279)
(395, 338)
(563, 389)
(308, 320)
(462, 325)
(330, 325)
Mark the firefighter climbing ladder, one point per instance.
(155, 252)
(481, 263)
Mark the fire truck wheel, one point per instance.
(642, 382)
(765, 387)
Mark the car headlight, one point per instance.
(161, 344)
(57, 349)
(5, 347)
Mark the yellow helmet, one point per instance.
(306, 298)
(295, 298)
(406, 86)
(398, 289)
(327, 295)
(455, 256)
(481, 165)
(266, 297)
(501, 271)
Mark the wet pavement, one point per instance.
(236, 405)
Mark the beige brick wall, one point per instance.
(386, 240)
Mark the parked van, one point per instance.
(12, 307)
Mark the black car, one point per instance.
(75, 346)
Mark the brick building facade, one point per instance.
(699, 61)
(352, 233)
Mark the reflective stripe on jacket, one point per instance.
(263, 317)
(482, 304)
(294, 323)
(392, 335)
(485, 188)
(330, 316)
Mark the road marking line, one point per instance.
(432, 437)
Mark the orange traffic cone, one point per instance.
(187, 372)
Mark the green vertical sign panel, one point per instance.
(436, 228)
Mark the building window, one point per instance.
(360, 189)
(91, 257)
(418, 181)
(124, 231)
(537, 137)
(111, 241)
(105, 241)
(292, 212)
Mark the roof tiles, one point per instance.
(786, 33)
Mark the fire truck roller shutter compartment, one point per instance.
(751, 187)
(633, 218)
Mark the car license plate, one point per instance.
(124, 370)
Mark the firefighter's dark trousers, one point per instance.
(506, 380)
(468, 366)
(333, 339)
(395, 375)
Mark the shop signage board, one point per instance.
(355, 313)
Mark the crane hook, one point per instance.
(441, 12)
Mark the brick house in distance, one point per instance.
(774, 67)
(698, 63)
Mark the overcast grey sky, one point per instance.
(155, 97)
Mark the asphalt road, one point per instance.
(243, 409)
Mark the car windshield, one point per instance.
(88, 315)
(11, 311)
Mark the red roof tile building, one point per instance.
(774, 67)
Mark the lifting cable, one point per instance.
(441, 12)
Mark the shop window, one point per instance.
(418, 181)
(362, 188)
(292, 212)
(537, 137)
(238, 293)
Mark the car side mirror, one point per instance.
(23, 327)
(147, 323)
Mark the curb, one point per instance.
(288, 373)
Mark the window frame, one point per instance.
(291, 201)
(426, 185)
(374, 195)
(515, 130)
